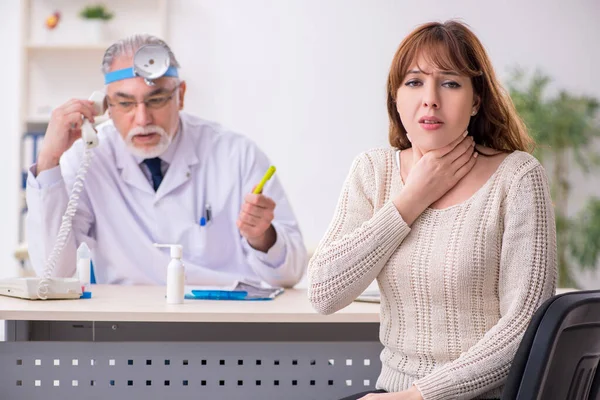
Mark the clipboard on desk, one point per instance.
(240, 290)
(369, 296)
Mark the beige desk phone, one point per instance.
(47, 287)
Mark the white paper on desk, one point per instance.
(188, 288)
(258, 292)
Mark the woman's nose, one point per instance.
(431, 98)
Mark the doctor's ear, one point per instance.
(181, 94)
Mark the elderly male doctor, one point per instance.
(159, 176)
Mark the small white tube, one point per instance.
(175, 282)
(175, 274)
(84, 267)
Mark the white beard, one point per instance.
(148, 152)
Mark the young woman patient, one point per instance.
(454, 220)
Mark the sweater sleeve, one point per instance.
(528, 270)
(358, 243)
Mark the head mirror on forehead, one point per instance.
(150, 62)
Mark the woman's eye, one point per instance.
(451, 85)
(412, 83)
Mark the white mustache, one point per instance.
(141, 130)
(154, 151)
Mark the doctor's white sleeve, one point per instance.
(285, 262)
(47, 197)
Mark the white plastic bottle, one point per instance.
(84, 267)
(175, 274)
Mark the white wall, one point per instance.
(305, 78)
(9, 150)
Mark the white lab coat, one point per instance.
(120, 216)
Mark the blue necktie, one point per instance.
(154, 167)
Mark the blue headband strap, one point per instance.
(127, 73)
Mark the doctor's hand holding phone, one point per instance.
(65, 128)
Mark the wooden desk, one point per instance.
(147, 304)
(126, 342)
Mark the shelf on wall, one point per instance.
(35, 119)
(43, 119)
(68, 46)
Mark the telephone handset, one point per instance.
(90, 139)
(88, 133)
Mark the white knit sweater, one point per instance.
(458, 287)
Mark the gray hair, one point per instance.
(129, 45)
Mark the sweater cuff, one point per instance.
(389, 223)
(436, 386)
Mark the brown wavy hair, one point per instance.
(452, 46)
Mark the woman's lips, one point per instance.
(431, 126)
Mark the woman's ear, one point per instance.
(476, 104)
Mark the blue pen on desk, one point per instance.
(218, 295)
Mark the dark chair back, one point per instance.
(559, 355)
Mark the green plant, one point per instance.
(564, 127)
(96, 12)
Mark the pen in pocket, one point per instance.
(207, 216)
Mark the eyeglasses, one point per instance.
(153, 102)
